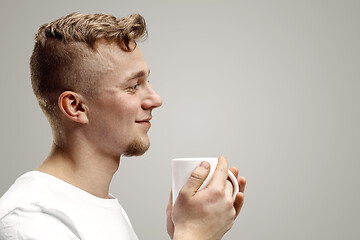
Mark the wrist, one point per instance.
(187, 234)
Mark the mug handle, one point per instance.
(234, 183)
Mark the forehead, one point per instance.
(119, 62)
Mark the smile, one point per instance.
(144, 123)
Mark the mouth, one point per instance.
(145, 122)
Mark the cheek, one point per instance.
(117, 111)
(127, 110)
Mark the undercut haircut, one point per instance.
(64, 56)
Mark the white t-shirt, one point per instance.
(42, 207)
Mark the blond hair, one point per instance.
(64, 56)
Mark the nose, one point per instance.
(152, 100)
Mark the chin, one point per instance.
(137, 148)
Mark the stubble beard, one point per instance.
(136, 148)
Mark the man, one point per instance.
(90, 80)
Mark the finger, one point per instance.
(235, 171)
(197, 177)
(220, 174)
(239, 201)
(242, 184)
(170, 204)
(169, 222)
(229, 189)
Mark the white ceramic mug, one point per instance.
(183, 167)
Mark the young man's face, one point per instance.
(119, 117)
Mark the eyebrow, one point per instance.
(138, 74)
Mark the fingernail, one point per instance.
(205, 165)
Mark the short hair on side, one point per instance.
(64, 56)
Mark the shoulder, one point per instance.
(24, 190)
(26, 212)
(35, 222)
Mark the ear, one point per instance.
(72, 107)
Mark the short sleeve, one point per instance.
(37, 223)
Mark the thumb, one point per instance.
(197, 177)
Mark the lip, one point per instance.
(145, 122)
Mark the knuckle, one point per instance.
(234, 214)
(230, 225)
(182, 197)
(182, 194)
(197, 174)
(218, 193)
(229, 185)
(229, 204)
(223, 168)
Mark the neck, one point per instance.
(82, 168)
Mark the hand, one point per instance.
(206, 214)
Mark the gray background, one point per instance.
(272, 85)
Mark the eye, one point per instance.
(135, 86)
